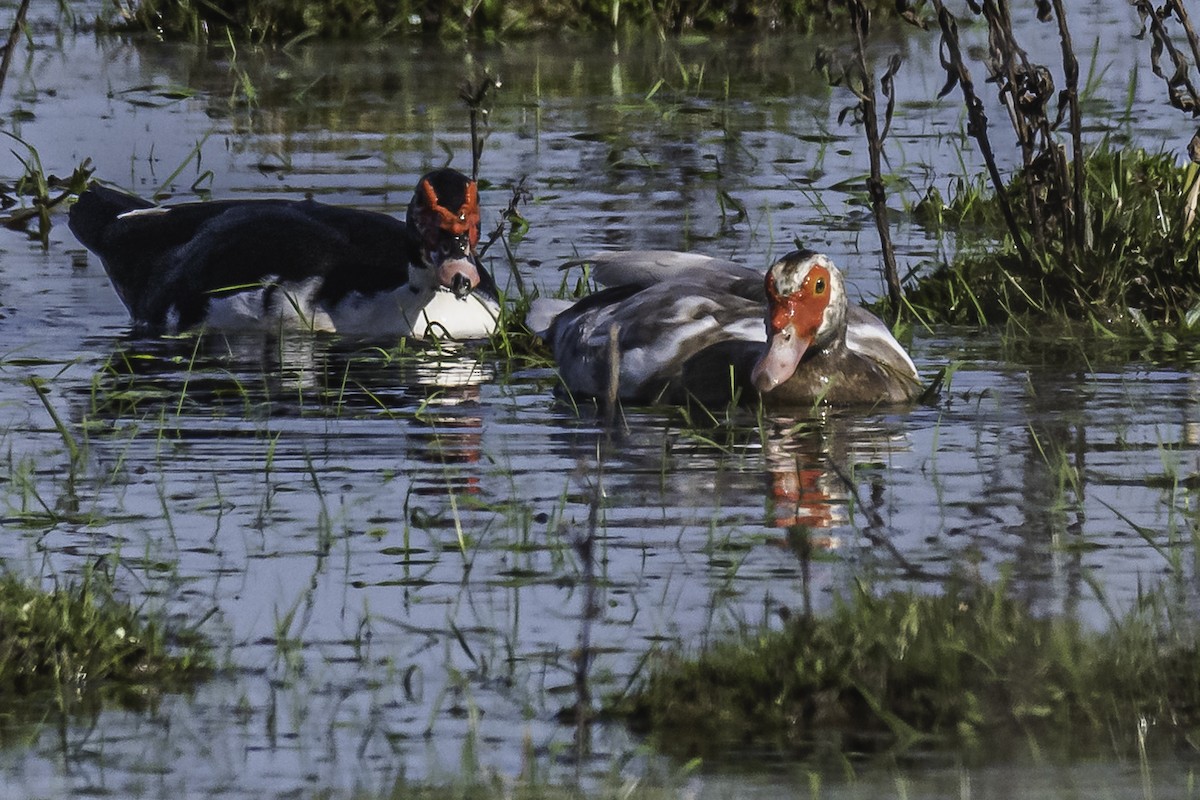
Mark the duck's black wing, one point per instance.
(173, 259)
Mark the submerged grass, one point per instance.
(971, 669)
(1142, 255)
(78, 648)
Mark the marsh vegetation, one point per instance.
(1081, 228)
(74, 649)
(970, 670)
(292, 20)
(428, 573)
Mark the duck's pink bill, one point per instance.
(459, 275)
(784, 351)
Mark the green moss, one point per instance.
(969, 669)
(78, 648)
(1142, 251)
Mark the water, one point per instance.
(393, 549)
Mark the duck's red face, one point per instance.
(794, 316)
(445, 213)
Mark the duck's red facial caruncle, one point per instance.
(446, 217)
(793, 319)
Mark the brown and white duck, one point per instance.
(268, 264)
(679, 326)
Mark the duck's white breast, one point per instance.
(421, 314)
(289, 305)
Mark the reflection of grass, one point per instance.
(970, 668)
(77, 647)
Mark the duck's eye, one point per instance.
(819, 286)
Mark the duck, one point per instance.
(275, 264)
(678, 327)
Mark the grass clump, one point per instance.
(969, 669)
(284, 20)
(1089, 232)
(498, 787)
(1142, 253)
(78, 648)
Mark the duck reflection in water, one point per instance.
(802, 470)
(811, 463)
(291, 376)
(414, 405)
(448, 433)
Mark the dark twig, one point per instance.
(1193, 42)
(860, 21)
(1071, 90)
(1024, 89)
(1054, 201)
(1182, 15)
(1180, 89)
(474, 94)
(977, 122)
(510, 219)
(10, 45)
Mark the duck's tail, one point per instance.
(542, 313)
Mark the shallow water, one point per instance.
(404, 555)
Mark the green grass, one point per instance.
(77, 648)
(970, 669)
(523, 788)
(1143, 251)
(44, 192)
(288, 20)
